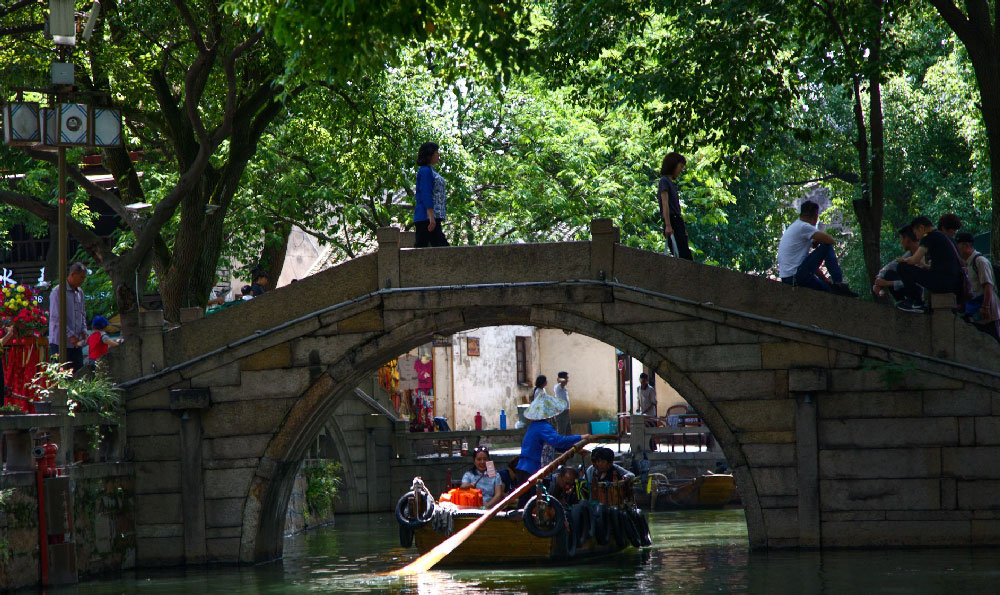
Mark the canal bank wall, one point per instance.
(103, 522)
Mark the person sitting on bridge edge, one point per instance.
(887, 280)
(983, 310)
(798, 266)
(949, 224)
(945, 274)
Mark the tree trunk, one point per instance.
(987, 67)
(272, 257)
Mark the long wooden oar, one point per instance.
(428, 560)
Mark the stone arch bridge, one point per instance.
(846, 423)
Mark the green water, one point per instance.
(693, 552)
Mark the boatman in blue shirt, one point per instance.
(540, 432)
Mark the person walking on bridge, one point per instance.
(670, 205)
(429, 211)
(798, 266)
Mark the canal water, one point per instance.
(693, 552)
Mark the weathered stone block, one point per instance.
(235, 447)
(928, 515)
(673, 334)
(888, 433)
(781, 523)
(778, 502)
(794, 355)
(880, 494)
(189, 398)
(157, 509)
(807, 380)
(773, 415)
(158, 399)
(157, 477)
(163, 551)
(155, 448)
(716, 358)
(982, 494)
(224, 512)
(324, 350)
(223, 532)
(770, 455)
(987, 430)
(957, 402)
(227, 375)
(985, 532)
(852, 516)
(875, 404)
(966, 431)
(726, 334)
(765, 437)
(621, 312)
(896, 533)
(154, 531)
(226, 549)
(365, 322)
(227, 483)
(751, 384)
(279, 356)
(949, 493)
(775, 481)
(248, 417)
(971, 462)
(886, 378)
(880, 463)
(264, 384)
(149, 423)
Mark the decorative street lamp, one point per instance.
(67, 122)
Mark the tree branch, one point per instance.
(91, 242)
(19, 4)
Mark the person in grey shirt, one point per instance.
(562, 420)
(76, 317)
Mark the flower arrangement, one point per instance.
(19, 309)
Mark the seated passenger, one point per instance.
(983, 310)
(563, 486)
(944, 275)
(798, 266)
(603, 468)
(478, 477)
(509, 475)
(887, 279)
(949, 224)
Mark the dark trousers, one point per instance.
(805, 276)
(914, 277)
(73, 354)
(429, 238)
(897, 294)
(681, 236)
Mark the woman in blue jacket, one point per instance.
(429, 210)
(540, 432)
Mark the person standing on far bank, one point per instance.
(670, 205)
(429, 210)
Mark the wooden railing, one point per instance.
(405, 440)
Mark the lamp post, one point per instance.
(63, 124)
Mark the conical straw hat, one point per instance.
(545, 406)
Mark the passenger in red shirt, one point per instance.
(99, 341)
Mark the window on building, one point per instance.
(521, 354)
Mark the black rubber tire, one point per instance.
(405, 535)
(558, 524)
(602, 524)
(580, 514)
(631, 531)
(421, 520)
(643, 526)
(617, 526)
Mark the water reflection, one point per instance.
(694, 552)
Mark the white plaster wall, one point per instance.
(592, 372)
(488, 383)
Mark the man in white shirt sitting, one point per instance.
(798, 266)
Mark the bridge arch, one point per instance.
(805, 403)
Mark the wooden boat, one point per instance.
(705, 491)
(507, 538)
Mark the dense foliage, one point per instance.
(255, 117)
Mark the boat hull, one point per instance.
(706, 491)
(504, 540)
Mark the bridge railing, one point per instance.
(410, 444)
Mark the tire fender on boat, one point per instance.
(580, 524)
(602, 524)
(617, 518)
(631, 529)
(558, 523)
(643, 526)
(421, 519)
(405, 535)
